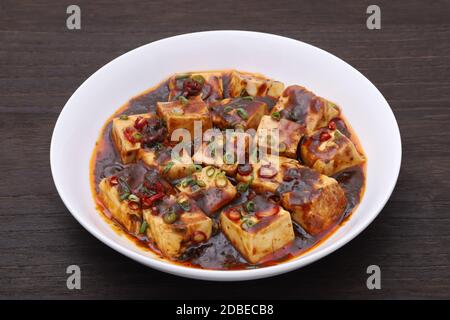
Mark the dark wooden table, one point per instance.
(42, 63)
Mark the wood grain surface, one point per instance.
(42, 63)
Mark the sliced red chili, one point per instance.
(128, 132)
(245, 169)
(332, 125)
(148, 201)
(159, 187)
(267, 213)
(234, 214)
(155, 211)
(113, 181)
(199, 236)
(324, 136)
(140, 123)
(192, 88)
(267, 172)
(133, 205)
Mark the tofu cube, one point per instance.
(329, 151)
(210, 188)
(177, 224)
(129, 217)
(238, 113)
(223, 150)
(254, 85)
(206, 85)
(171, 167)
(182, 114)
(302, 106)
(260, 232)
(123, 134)
(315, 201)
(282, 135)
(266, 174)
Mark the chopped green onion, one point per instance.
(242, 113)
(247, 224)
(282, 147)
(198, 78)
(124, 117)
(210, 171)
(250, 206)
(201, 183)
(221, 181)
(239, 127)
(242, 187)
(185, 205)
(250, 181)
(182, 76)
(227, 109)
(186, 182)
(168, 167)
(124, 196)
(184, 101)
(249, 98)
(170, 217)
(143, 227)
(133, 197)
(197, 167)
(158, 146)
(331, 105)
(276, 115)
(137, 136)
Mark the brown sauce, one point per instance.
(217, 252)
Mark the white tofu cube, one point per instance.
(329, 151)
(259, 232)
(282, 135)
(182, 114)
(177, 223)
(210, 188)
(300, 105)
(253, 85)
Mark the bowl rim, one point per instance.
(223, 275)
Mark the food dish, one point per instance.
(291, 61)
(251, 206)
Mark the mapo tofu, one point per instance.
(272, 172)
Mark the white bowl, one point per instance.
(287, 60)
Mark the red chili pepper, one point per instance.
(148, 201)
(128, 133)
(267, 172)
(245, 169)
(159, 187)
(140, 123)
(157, 196)
(324, 136)
(271, 212)
(234, 214)
(332, 125)
(199, 236)
(155, 211)
(113, 181)
(133, 205)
